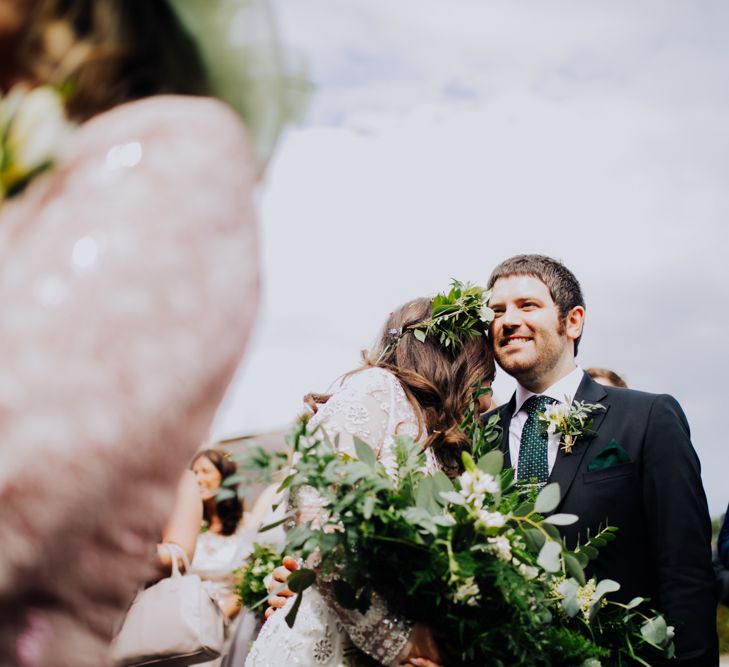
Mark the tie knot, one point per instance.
(536, 404)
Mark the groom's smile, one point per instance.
(530, 339)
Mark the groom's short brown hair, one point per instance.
(562, 284)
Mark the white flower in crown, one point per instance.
(33, 127)
(571, 419)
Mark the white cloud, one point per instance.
(448, 136)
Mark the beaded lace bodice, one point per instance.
(372, 405)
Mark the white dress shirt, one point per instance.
(567, 386)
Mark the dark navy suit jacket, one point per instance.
(662, 549)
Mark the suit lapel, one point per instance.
(567, 465)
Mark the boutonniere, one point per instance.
(33, 126)
(571, 419)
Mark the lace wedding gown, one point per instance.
(372, 405)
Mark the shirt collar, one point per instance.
(567, 386)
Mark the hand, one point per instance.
(279, 576)
(421, 649)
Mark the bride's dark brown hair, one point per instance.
(106, 52)
(438, 381)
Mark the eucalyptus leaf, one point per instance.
(453, 497)
(419, 335)
(562, 519)
(551, 531)
(441, 484)
(507, 478)
(574, 569)
(635, 602)
(589, 551)
(606, 586)
(365, 453)
(445, 520)
(655, 630)
(300, 580)
(548, 498)
(492, 463)
(568, 589)
(534, 539)
(425, 496)
(549, 556)
(270, 526)
(524, 509)
(293, 612)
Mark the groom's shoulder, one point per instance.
(637, 397)
(651, 405)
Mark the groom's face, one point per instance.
(529, 336)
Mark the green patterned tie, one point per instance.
(533, 448)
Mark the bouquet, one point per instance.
(250, 579)
(477, 558)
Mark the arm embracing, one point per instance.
(680, 532)
(363, 408)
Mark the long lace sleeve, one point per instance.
(372, 406)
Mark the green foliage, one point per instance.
(475, 558)
(250, 585)
(255, 466)
(457, 316)
(486, 436)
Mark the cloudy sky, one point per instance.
(443, 137)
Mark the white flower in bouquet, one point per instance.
(467, 593)
(476, 484)
(527, 571)
(487, 520)
(500, 546)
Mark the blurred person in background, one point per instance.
(218, 545)
(606, 377)
(113, 364)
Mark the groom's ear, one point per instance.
(574, 322)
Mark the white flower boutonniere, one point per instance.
(571, 419)
(33, 126)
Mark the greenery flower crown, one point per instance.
(455, 317)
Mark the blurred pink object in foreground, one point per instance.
(128, 284)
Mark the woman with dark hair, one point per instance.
(220, 546)
(128, 282)
(410, 384)
(220, 515)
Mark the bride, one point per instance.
(405, 387)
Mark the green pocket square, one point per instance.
(612, 455)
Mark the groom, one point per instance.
(636, 469)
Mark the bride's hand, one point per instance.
(420, 650)
(276, 598)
